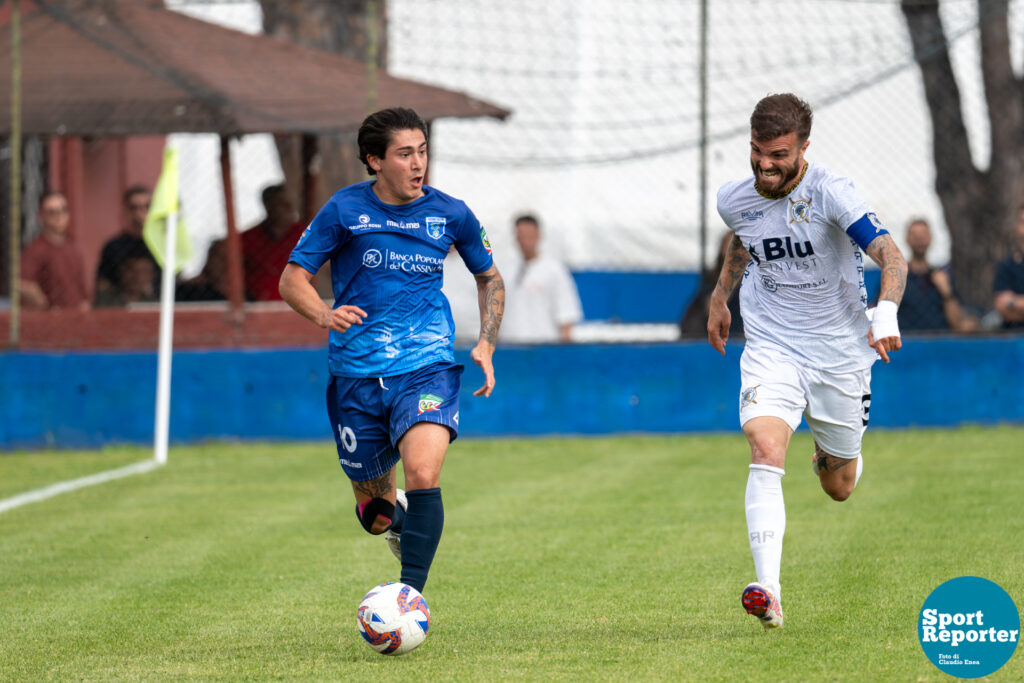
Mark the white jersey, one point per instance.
(803, 291)
(540, 297)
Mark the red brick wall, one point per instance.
(195, 326)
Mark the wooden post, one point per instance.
(15, 208)
(236, 278)
(310, 177)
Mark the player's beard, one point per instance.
(787, 174)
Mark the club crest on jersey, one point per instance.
(429, 402)
(748, 396)
(799, 210)
(875, 222)
(435, 226)
(483, 238)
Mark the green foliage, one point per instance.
(569, 559)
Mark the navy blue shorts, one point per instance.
(370, 416)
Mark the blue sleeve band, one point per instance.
(865, 229)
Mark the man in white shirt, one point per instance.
(542, 302)
(799, 231)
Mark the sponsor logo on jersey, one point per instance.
(372, 258)
(413, 263)
(402, 225)
(781, 247)
(483, 238)
(429, 402)
(752, 215)
(772, 285)
(799, 210)
(435, 226)
(364, 223)
(748, 396)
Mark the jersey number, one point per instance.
(348, 438)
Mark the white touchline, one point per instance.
(75, 484)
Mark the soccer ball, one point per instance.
(393, 618)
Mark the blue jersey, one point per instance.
(388, 260)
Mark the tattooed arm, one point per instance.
(491, 296)
(719, 318)
(886, 254)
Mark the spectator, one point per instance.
(267, 246)
(212, 283)
(52, 269)
(1009, 281)
(694, 322)
(134, 277)
(128, 244)
(542, 302)
(929, 302)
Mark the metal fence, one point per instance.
(626, 117)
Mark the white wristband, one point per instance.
(883, 323)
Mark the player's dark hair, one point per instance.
(137, 250)
(377, 129)
(781, 114)
(132, 191)
(269, 193)
(527, 218)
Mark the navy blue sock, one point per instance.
(396, 521)
(421, 532)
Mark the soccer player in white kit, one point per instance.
(810, 342)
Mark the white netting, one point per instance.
(603, 142)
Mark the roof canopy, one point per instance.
(118, 68)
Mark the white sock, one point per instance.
(766, 522)
(860, 468)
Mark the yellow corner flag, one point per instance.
(164, 204)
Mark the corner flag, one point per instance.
(168, 241)
(164, 204)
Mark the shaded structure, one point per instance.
(133, 67)
(115, 68)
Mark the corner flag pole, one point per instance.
(165, 235)
(163, 374)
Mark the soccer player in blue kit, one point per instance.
(393, 392)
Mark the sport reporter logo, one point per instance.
(969, 627)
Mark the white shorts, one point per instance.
(834, 405)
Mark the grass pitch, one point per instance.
(571, 559)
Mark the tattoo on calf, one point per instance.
(375, 488)
(829, 463)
